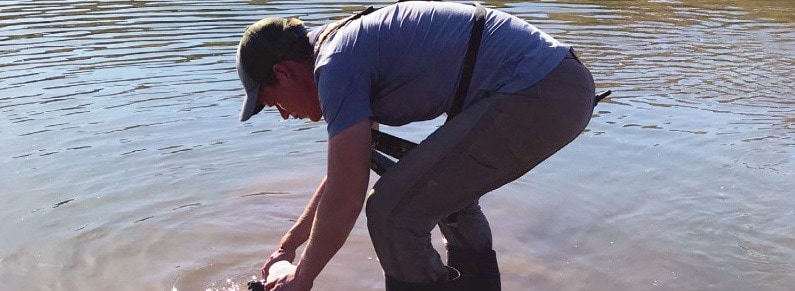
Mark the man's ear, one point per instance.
(282, 71)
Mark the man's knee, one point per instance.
(385, 213)
(375, 210)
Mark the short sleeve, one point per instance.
(344, 90)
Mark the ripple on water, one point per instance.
(121, 146)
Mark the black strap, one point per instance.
(601, 96)
(329, 29)
(379, 163)
(391, 145)
(469, 62)
(397, 147)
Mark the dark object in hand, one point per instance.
(256, 286)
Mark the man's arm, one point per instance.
(340, 205)
(299, 233)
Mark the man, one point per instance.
(528, 96)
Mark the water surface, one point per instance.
(124, 165)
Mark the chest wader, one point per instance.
(469, 269)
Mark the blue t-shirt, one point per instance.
(402, 63)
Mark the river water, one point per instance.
(123, 165)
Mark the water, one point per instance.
(124, 165)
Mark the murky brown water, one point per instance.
(123, 165)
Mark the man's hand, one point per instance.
(289, 283)
(278, 255)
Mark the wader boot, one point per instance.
(479, 270)
(450, 285)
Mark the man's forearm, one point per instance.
(348, 177)
(334, 221)
(300, 231)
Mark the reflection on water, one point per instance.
(124, 164)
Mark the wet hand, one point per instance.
(279, 255)
(290, 282)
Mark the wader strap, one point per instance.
(469, 62)
(601, 96)
(397, 147)
(388, 144)
(379, 163)
(337, 25)
(391, 145)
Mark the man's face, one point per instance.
(296, 92)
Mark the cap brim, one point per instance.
(251, 104)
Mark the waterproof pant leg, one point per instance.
(492, 142)
(451, 284)
(468, 243)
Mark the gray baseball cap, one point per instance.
(264, 44)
